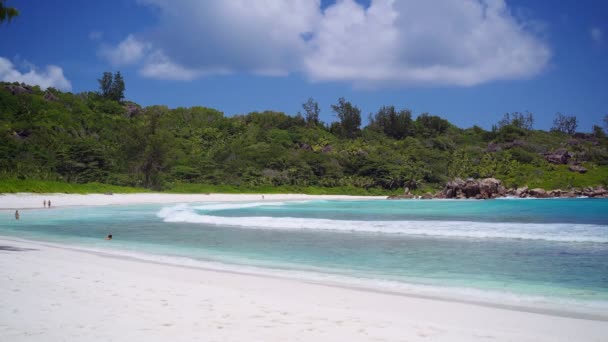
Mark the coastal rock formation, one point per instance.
(489, 188)
(427, 195)
(521, 192)
(598, 192)
(472, 188)
(538, 193)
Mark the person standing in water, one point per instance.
(16, 214)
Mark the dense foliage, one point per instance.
(88, 137)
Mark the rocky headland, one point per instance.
(489, 188)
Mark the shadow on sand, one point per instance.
(16, 249)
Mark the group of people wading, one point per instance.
(45, 203)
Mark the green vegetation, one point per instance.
(51, 141)
(38, 186)
(112, 86)
(7, 13)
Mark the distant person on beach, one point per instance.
(109, 237)
(44, 203)
(16, 214)
(262, 196)
(49, 202)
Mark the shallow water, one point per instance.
(540, 250)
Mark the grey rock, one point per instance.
(538, 193)
(577, 168)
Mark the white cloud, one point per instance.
(236, 35)
(596, 35)
(129, 51)
(412, 42)
(463, 43)
(51, 76)
(159, 66)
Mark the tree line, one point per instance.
(100, 137)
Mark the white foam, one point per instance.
(529, 231)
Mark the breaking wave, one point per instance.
(563, 232)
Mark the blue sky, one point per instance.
(468, 61)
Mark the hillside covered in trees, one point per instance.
(96, 137)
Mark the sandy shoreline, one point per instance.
(48, 293)
(35, 201)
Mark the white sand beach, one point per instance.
(51, 293)
(30, 201)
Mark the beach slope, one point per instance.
(52, 293)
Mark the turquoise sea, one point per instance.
(550, 252)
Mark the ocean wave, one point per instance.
(244, 205)
(563, 232)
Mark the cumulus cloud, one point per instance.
(596, 35)
(423, 42)
(129, 51)
(51, 76)
(412, 42)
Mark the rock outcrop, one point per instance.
(538, 193)
(48, 96)
(471, 188)
(427, 195)
(18, 89)
(577, 168)
(327, 149)
(489, 188)
(305, 146)
(597, 192)
(560, 156)
(521, 192)
(132, 110)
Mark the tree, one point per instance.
(118, 87)
(112, 86)
(105, 84)
(598, 132)
(431, 125)
(7, 13)
(564, 124)
(394, 124)
(517, 119)
(606, 122)
(350, 118)
(311, 109)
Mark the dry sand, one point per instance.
(29, 201)
(52, 293)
